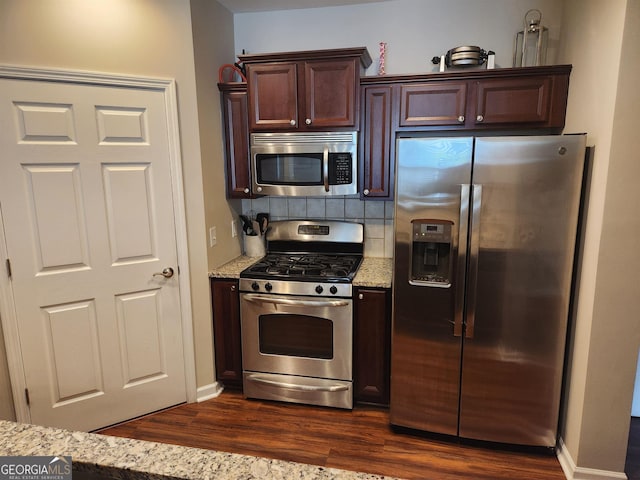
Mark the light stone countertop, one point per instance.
(373, 272)
(233, 268)
(104, 457)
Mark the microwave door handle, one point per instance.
(325, 168)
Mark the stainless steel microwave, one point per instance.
(304, 164)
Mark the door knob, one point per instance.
(166, 273)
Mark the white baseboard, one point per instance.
(208, 392)
(573, 472)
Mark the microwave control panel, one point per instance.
(340, 169)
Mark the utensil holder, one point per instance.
(254, 246)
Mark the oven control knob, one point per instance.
(268, 287)
(255, 286)
(333, 289)
(319, 289)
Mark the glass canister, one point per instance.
(530, 46)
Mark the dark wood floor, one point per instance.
(358, 440)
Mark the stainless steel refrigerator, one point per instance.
(485, 232)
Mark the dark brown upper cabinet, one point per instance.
(377, 149)
(516, 101)
(500, 99)
(528, 100)
(433, 104)
(305, 91)
(236, 138)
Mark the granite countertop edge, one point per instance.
(117, 458)
(374, 272)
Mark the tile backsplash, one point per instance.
(377, 216)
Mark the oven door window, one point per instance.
(289, 169)
(296, 336)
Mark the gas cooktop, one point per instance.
(307, 257)
(305, 267)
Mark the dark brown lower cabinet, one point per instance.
(226, 331)
(371, 345)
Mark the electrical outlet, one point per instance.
(234, 228)
(212, 236)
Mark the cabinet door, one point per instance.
(330, 93)
(434, 104)
(525, 100)
(226, 331)
(237, 144)
(377, 146)
(273, 102)
(372, 345)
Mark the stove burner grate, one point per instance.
(305, 266)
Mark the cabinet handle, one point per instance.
(461, 119)
(246, 190)
(233, 288)
(479, 118)
(308, 121)
(259, 189)
(365, 191)
(292, 123)
(360, 296)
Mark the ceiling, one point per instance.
(244, 6)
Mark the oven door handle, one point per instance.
(293, 386)
(250, 297)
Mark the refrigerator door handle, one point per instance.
(461, 264)
(474, 249)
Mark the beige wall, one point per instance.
(143, 37)
(600, 40)
(213, 46)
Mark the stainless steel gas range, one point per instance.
(296, 313)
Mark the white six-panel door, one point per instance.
(86, 199)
